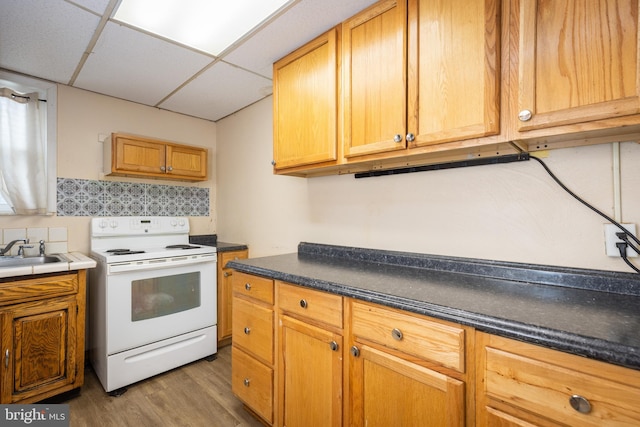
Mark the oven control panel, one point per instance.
(132, 226)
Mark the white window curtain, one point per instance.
(23, 152)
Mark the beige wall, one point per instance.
(82, 117)
(511, 212)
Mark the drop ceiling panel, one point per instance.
(44, 39)
(221, 90)
(97, 6)
(301, 23)
(132, 65)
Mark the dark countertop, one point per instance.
(590, 313)
(212, 240)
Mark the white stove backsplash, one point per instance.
(84, 197)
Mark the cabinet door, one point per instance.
(577, 62)
(225, 292)
(310, 375)
(305, 104)
(453, 84)
(39, 348)
(390, 391)
(187, 162)
(133, 155)
(374, 79)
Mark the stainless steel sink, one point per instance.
(16, 261)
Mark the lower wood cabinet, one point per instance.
(42, 335)
(304, 357)
(225, 294)
(310, 357)
(252, 355)
(521, 384)
(401, 369)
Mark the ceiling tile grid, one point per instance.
(47, 40)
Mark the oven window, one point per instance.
(161, 296)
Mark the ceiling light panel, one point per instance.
(207, 25)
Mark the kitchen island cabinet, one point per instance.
(42, 320)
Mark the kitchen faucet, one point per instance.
(10, 245)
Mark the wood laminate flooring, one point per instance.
(197, 394)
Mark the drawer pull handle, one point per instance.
(247, 330)
(303, 303)
(396, 334)
(247, 286)
(355, 352)
(246, 382)
(580, 404)
(333, 345)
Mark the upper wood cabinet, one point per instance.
(138, 156)
(374, 79)
(420, 76)
(454, 70)
(576, 66)
(305, 104)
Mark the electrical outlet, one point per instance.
(610, 239)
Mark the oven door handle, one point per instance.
(153, 264)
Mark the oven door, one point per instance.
(150, 305)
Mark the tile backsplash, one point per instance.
(83, 197)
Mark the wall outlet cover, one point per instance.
(610, 239)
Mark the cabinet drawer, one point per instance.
(410, 334)
(252, 328)
(256, 287)
(316, 305)
(548, 389)
(252, 382)
(38, 288)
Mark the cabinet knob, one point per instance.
(333, 346)
(303, 303)
(247, 286)
(273, 162)
(397, 138)
(411, 137)
(162, 168)
(355, 352)
(580, 404)
(396, 334)
(525, 115)
(246, 382)
(227, 274)
(6, 358)
(247, 330)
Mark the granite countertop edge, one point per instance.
(591, 347)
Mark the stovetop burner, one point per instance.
(124, 252)
(182, 247)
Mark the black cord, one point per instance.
(622, 247)
(602, 214)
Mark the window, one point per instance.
(36, 180)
